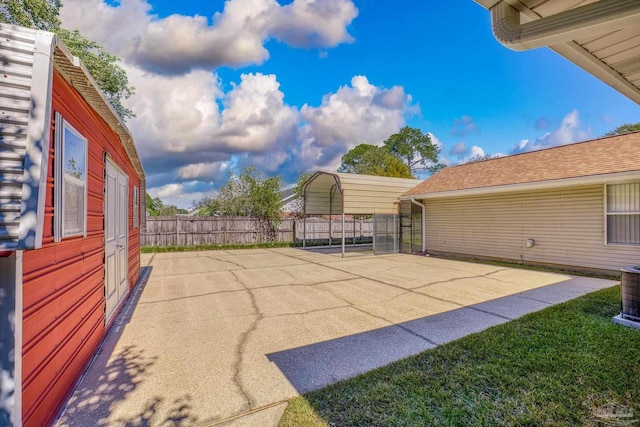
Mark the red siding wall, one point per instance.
(63, 294)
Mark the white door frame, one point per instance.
(116, 203)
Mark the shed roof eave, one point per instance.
(74, 71)
(611, 178)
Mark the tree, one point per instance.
(251, 194)
(367, 159)
(414, 148)
(625, 128)
(155, 207)
(45, 15)
(480, 157)
(36, 14)
(297, 203)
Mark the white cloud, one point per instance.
(188, 129)
(463, 153)
(203, 171)
(255, 117)
(174, 113)
(181, 195)
(314, 23)
(236, 37)
(570, 131)
(356, 114)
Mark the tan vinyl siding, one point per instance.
(567, 226)
(363, 194)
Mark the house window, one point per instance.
(623, 214)
(70, 204)
(136, 207)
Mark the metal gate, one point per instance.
(386, 234)
(410, 227)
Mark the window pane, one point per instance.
(623, 229)
(623, 198)
(74, 155)
(73, 208)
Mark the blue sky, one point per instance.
(290, 86)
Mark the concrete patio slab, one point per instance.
(227, 337)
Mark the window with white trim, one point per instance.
(623, 213)
(70, 183)
(136, 207)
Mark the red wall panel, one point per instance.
(63, 283)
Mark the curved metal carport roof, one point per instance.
(334, 193)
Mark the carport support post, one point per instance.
(354, 230)
(330, 213)
(343, 248)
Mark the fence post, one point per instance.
(293, 226)
(225, 225)
(177, 230)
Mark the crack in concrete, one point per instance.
(406, 291)
(242, 267)
(486, 276)
(305, 285)
(151, 259)
(244, 289)
(389, 322)
(382, 282)
(275, 316)
(242, 345)
(190, 297)
(197, 272)
(399, 325)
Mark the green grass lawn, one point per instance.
(567, 365)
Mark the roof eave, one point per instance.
(611, 178)
(570, 49)
(75, 72)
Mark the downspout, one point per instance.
(601, 17)
(339, 187)
(424, 223)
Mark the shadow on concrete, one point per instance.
(109, 379)
(317, 365)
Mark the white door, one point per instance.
(115, 230)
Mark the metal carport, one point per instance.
(334, 193)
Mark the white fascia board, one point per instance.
(531, 186)
(588, 62)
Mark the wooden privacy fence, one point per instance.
(192, 231)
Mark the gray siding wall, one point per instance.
(25, 102)
(16, 59)
(567, 226)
